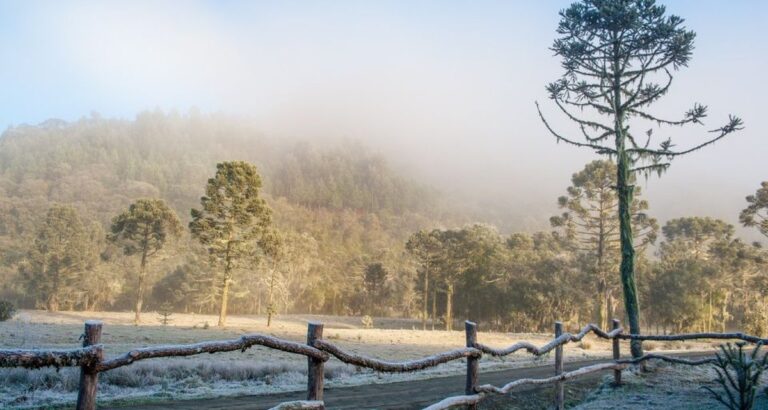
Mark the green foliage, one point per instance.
(697, 230)
(618, 58)
(756, 213)
(738, 373)
(7, 310)
(591, 224)
(187, 288)
(58, 259)
(341, 206)
(424, 247)
(233, 221)
(345, 178)
(374, 285)
(707, 279)
(143, 229)
(165, 312)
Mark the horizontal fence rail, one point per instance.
(318, 351)
(243, 343)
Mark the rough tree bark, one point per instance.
(140, 289)
(425, 297)
(449, 306)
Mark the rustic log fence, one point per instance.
(90, 359)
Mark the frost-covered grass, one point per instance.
(664, 386)
(257, 371)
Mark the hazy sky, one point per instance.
(444, 87)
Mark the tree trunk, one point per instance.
(434, 308)
(270, 296)
(224, 299)
(52, 304)
(602, 285)
(426, 298)
(611, 302)
(601, 310)
(625, 193)
(711, 314)
(631, 303)
(449, 307)
(724, 313)
(225, 288)
(140, 289)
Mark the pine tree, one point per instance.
(165, 311)
(232, 221)
(591, 223)
(618, 57)
(425, 247)
(60, 253)
(143, 229)
(756, 214)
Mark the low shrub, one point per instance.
(7, 310)
(738, 373)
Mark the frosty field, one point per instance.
(257, 371)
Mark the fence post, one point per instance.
(473, 363)
(89, 377)
(559, 386)
(314, 366)
(616, 354)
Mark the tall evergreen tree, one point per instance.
(618, 57)
(425, 247)
(232, 221)
(591, 223)
(60, 253)
(374, 284)
(756, 214)
(143, 229)
(274, 252)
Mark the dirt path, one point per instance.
(399, 395)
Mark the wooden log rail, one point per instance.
(318, 351)
(37, 358)
(243, 343)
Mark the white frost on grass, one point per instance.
(664, 386)
(259, 370)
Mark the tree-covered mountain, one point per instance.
(171, 155)
(344, 200)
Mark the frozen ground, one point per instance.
(256, 371)
(672, 387)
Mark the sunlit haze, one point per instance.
(445, 89)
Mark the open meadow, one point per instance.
(259, 370)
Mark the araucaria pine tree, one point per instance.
(144, 229)
(756, 214)
(618, 57)
(232, 222)
(591, 224)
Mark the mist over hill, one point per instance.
(347, 202)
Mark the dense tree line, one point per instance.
(335, 207)
(250, 250)
(700, 277)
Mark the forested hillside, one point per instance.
(96, 215)
(340, 205)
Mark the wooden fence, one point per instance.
(90, 359)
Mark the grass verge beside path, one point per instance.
(664, 386)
